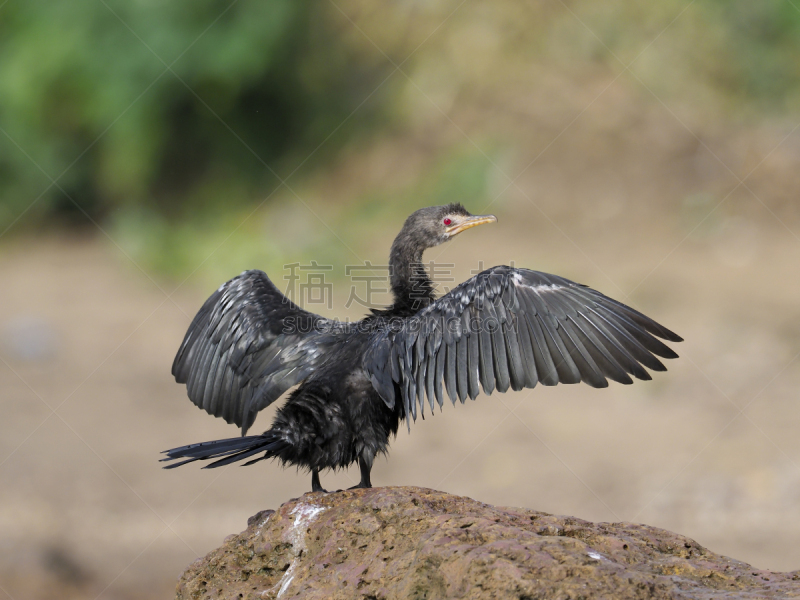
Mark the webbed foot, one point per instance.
(360, 486)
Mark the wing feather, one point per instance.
(502, 377)
(422, 365)
(650, 343)
(439, 376)
(473, 364)
(626, 340)
(516, 369)
(545, 365)
(450, 373)
(485, 354)
(212, 370)
(530, 372)
(611, 366)
(430, 371)
(245, 347)
(590, 372)
(514, 328)
(462, 368)
(613, 346)
(568, 371)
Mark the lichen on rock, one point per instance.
(406, 542)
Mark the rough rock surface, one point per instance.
(417, 543)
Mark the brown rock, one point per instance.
(415, 543)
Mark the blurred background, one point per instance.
(150, 151)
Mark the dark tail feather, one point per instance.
(228, 451)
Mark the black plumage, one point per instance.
(503, 328)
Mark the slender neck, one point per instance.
(411, 286)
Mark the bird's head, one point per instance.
(435, 225)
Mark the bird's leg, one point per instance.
(365, 464)
(316, 486)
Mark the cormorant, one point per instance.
(503, 328)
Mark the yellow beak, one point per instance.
(470, 222)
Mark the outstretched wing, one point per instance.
(512, 328)
(246, 346)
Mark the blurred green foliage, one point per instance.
(461, 175)
(173, 106)
(759, 59)
(172, 120)
(742, 55)
(286, 231)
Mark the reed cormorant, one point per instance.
(503, 328)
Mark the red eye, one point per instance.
(447, 221)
